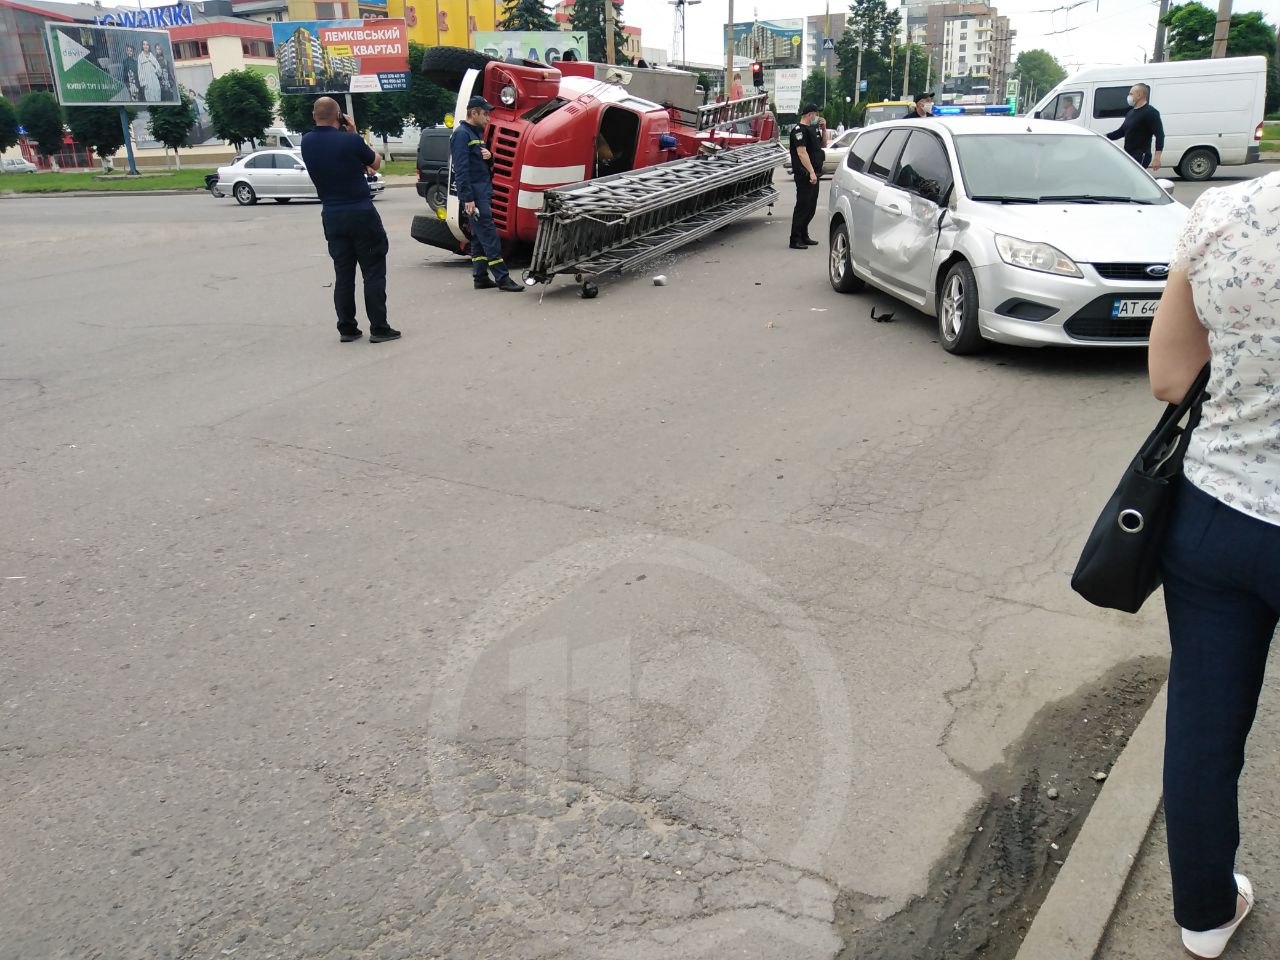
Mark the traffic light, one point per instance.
(757, 75)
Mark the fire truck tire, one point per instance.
(434, 232)
(445, 66)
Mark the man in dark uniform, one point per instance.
(474, 182)
(923, 106)
(806, 165)
(337, 159)
(1141, 123)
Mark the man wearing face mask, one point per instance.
(806, 164)
(1141, 123)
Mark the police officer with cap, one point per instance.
(806, 164)
(474, 182)
(923, 106)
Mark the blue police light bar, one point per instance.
(947, 111)
(998, 108)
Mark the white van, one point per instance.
(274, 137)
(403, 147)
(1212, 110)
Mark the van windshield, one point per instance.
(1045, 167)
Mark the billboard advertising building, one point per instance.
(775, 43)
(342, 56)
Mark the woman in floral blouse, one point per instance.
(1222, 556)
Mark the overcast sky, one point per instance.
(1095, 32)
(1089, 33)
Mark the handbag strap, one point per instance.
(1173, 416)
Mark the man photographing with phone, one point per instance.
(337, 160)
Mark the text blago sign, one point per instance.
(342, 56)
(111, 66)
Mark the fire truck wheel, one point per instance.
(589, 291)
(445, 66)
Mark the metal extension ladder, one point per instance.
(613, 223)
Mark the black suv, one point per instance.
(433, 166)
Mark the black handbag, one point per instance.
(1119, 566)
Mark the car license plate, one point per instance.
(1133, 308)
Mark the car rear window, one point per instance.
(863, 148)
(882, 163)
(434, 146)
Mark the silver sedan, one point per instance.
(1019, 231)
(279, 175)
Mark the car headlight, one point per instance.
(507, 96)
(1036, 256)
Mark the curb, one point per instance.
(1074, 917)
(189, 191)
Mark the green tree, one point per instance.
(1037, 73)
(812, 90)
(240, 106)
(425, 102)
(1190, 37)
(172, 124)
(384, 114)
(527, 15)
(98, 128)
(41, 116)
(295, 111)
(8, 125)
(588, 17)
(704, 81)
(867, 42)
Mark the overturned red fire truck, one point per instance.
(600, 168)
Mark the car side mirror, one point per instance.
(1165, 185)
(299, 166)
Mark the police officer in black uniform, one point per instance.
(806, 165)
(922, 106)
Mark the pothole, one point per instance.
(985, 892)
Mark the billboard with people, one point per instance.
(341, 56)
(99, 66)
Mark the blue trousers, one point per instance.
(1222, 597)
(485, 235)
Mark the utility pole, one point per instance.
(728, 49)
(857, 83)
(609, 16)
(906, 70)
(1157, 54)
(1221, 29)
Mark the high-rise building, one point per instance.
(816, 30)
(969, 48)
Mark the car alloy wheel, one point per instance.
(958, 311)
(244, 194)
(840, 263)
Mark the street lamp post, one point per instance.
(680, 6)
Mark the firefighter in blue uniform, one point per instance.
(474, 182)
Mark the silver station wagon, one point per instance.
(1008, 229)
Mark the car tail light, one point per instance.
(1257, 132)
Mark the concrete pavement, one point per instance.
(1111, 900)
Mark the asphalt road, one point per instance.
(560, 628)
